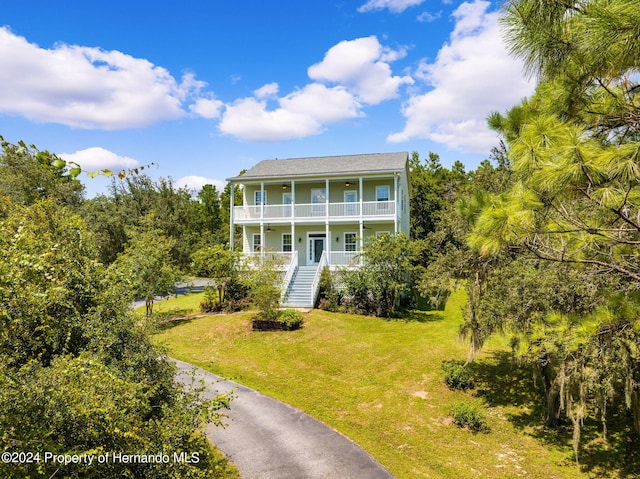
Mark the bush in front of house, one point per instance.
(287, 320)
(291, 318)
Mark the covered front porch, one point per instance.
(341, 243)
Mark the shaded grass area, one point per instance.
(381, 384)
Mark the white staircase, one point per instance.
(300, 293)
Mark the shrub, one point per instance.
(291, 318)
(210, 304)
(471, 416)
(457, 376)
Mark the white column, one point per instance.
(360, 198)
(293, 200)
(395, 195)
(261, 202)
(245, 238)
(231, 225)
(326, 199)
(328, 238)
(293, 238)
(261, 238)
(361, 239)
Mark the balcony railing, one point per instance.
(312, 211)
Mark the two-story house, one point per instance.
(318, 212)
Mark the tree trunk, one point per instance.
(551, 386)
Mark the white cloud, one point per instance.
(472, 75)
(266, 91)
(89, 87)
(196, 183)
(249, 119)
(395, 6)
(97, 158)
(325, 105)
(427, 17)
(361, 65)
(207, 107)
(300, 114)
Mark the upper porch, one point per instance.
(381, 197)
(312, 212)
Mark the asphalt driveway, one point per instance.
(268, 439)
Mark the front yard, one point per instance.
(381, 384)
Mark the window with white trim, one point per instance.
(260, 197)
(286, 242)
(382, 193)
(350, 242)
(256, 242)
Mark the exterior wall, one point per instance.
(335, 242)
(303, 190)
(338, 226)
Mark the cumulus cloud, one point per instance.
(87, 87)
(97, 158)
(352, 74)
(472, 75)
(266, 91)
(207, 107)
(195, 183)
(300, 114)
(395, 6)
(362, 66)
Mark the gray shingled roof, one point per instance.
(326, 166)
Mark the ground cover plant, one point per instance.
(381, 383)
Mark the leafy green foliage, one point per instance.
(385, 275)
(146, 262)
(575, 201)
(291, 318)
(78, 373)
(457, 375)
(470, 415)
(218, 264)
(28, 175)
(263, 276)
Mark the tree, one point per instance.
(147, 262)
(48, 278)
(28, 175)
(219, 264)
(385, 276)
(137, 203)
(263, 276)
(78, 373)
(210, 208)
(574, 152)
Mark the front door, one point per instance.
(316, 247)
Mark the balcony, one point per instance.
(315, 211)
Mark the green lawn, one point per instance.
(380, 383)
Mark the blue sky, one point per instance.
(207, 88)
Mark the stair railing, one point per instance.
(289, 275)
(315, 287)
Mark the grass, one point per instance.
(381, 384)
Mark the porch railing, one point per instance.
(293, 264)
(315, 287)
(281, 259)
(314, 210)
(343, 258)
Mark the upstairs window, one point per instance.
(382, 193)
(260, 197)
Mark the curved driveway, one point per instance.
(268, 439)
